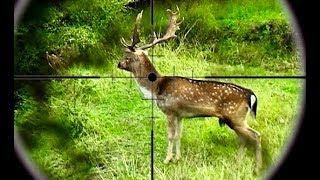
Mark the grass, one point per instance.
(100, 128)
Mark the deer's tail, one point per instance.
(253, 103)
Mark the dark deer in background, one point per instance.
(180, 97)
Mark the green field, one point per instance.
(100, 128)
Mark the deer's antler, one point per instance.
(135, 37)
(173, 26)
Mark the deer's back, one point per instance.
(193, 98)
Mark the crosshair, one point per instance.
(151, 77)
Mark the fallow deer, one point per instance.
(180, 97)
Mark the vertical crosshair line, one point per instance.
(174, 73)
(74, 97)
(152, 133)
(152, 118)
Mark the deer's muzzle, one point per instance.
(122, 65)
(119, 65)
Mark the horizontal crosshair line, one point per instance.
(257, 77)
(153, 117)
(152, 99)
(156, 55)
(52, 77)
(49, 77)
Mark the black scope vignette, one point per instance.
(35, 173)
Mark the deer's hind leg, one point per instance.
(258, 149)
(243, 142)
(247, 134)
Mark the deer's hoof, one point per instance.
(178, 157)
(167, 160)
(257, 170)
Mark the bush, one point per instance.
(74, 25)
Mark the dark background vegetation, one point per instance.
(76, 28)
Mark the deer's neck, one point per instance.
(147, 87)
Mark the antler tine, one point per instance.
(135, 37)
(153, 36)
(178, 11)
(173, 26)
(123, 42)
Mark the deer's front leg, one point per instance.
(172, 122)
(178, 138)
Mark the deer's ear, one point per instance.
(126, 50)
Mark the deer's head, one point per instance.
(136, 58)
(133, 60)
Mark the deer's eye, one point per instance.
(129, 59)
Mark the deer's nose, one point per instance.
(119, 65)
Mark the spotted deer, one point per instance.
(180, 97)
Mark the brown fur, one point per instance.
(180, 97)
